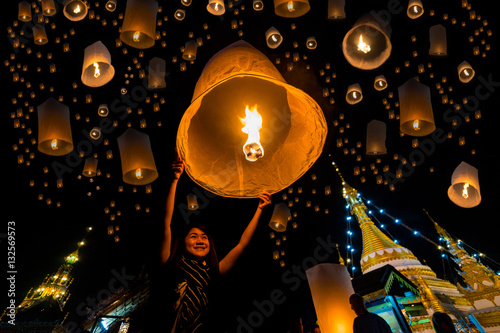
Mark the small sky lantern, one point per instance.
(54, 129)
(375, 138)
(367, 45)
(39, 35)
(24, 12)
(291, 9)
(415, 9)
(216, 7)
(280, 217)
(273, 38)
(192, 202)
(139, 24)
(75, 10)
(111, 5)
(311, 43)
(190, 49)
(354, 94)
(157, 70)
(331, 288)
(103, 110)
(336, 9)
(90, 167)
(464, 190)
(180, 14)
(416, 115)
(465, 72)
(97, 69)
(380, 83)
(241, 108)
(258, 5)
(48, 7)
(138, 164)
(438, 44)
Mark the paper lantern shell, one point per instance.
(75, 10)
(464, 190)
(54, 129)
(331, 287)
(48, 7)
(280, 217)
(291, 9)
(375, 32)
(39, 35)
(375, 138)
(465, 72)
(414, 9)
(24, 12)
(210, 136)
(97, 69)
(415, 105)
(135, 154)
(157, 70)
(139, 25)
(438, 43)
(336, 9)
(216, 7)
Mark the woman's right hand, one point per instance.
(178, 165)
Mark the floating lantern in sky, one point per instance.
(273, 38)
(354, 94)
(192, 201)
(258, 5)
(216, 7)
(54, 129)
(111, 5)
(24, 11)
(180, 14)
(336, 9)
(438, 43)
(157, 70)
(465, 72)
(210, 135)
(75, 10)
(281, 216)
(139, 25)
(375, 138)
(97, 69)
(416, 115)
(311, 43)
(190, 49)
(415, 9)
(380, 83)
(295, 8)
(138, 164)
(48, 7)
(90, 167)
(39, 35)
(331, 288)
(367, 45)
(464, 190)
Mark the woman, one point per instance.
(190, 265)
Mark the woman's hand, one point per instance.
(178, 165)
(264, 200)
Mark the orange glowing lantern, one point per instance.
(211, 136)
(375, 138)
(354, 94)
(24, 12)
(438, 43)
(97, 69)
(216, 7)
(75, 10)
(367, 45)
(48, 7)
(157, 70)
(139, 25)
(90, 167)
(138, 164)
(465, 72)
(414, 9)
(464, 190)
(39, 35)
(331, 288)
(190, 49)
(54, 129)
(295, 8)
(273, 38)
(336, 9)
(281, 216)
(380, 83)
(416, 115)
(192, 201)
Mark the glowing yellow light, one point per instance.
(274, 38)
(97, 72)
(416, 125)
(252, 148)
(216, 7)
(53, 144)
(290, 6)
(77, 9)
(362, 46)
(415, 9)
(138, 173)
(465, 191)
(135, 37)
(466, 73)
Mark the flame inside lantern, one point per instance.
(252, 148)
(362, 46)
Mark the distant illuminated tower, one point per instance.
(437, 295)
(483, 285)
(53, 290)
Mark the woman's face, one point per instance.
(197, 243)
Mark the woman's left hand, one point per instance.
(264, 200)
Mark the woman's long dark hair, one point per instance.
(178, 247)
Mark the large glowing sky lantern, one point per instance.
(246, 129)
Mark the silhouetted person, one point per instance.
(366, 322)
(442, 323)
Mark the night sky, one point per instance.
(46, 233)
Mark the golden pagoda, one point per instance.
(436, 295)
(482, 285)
